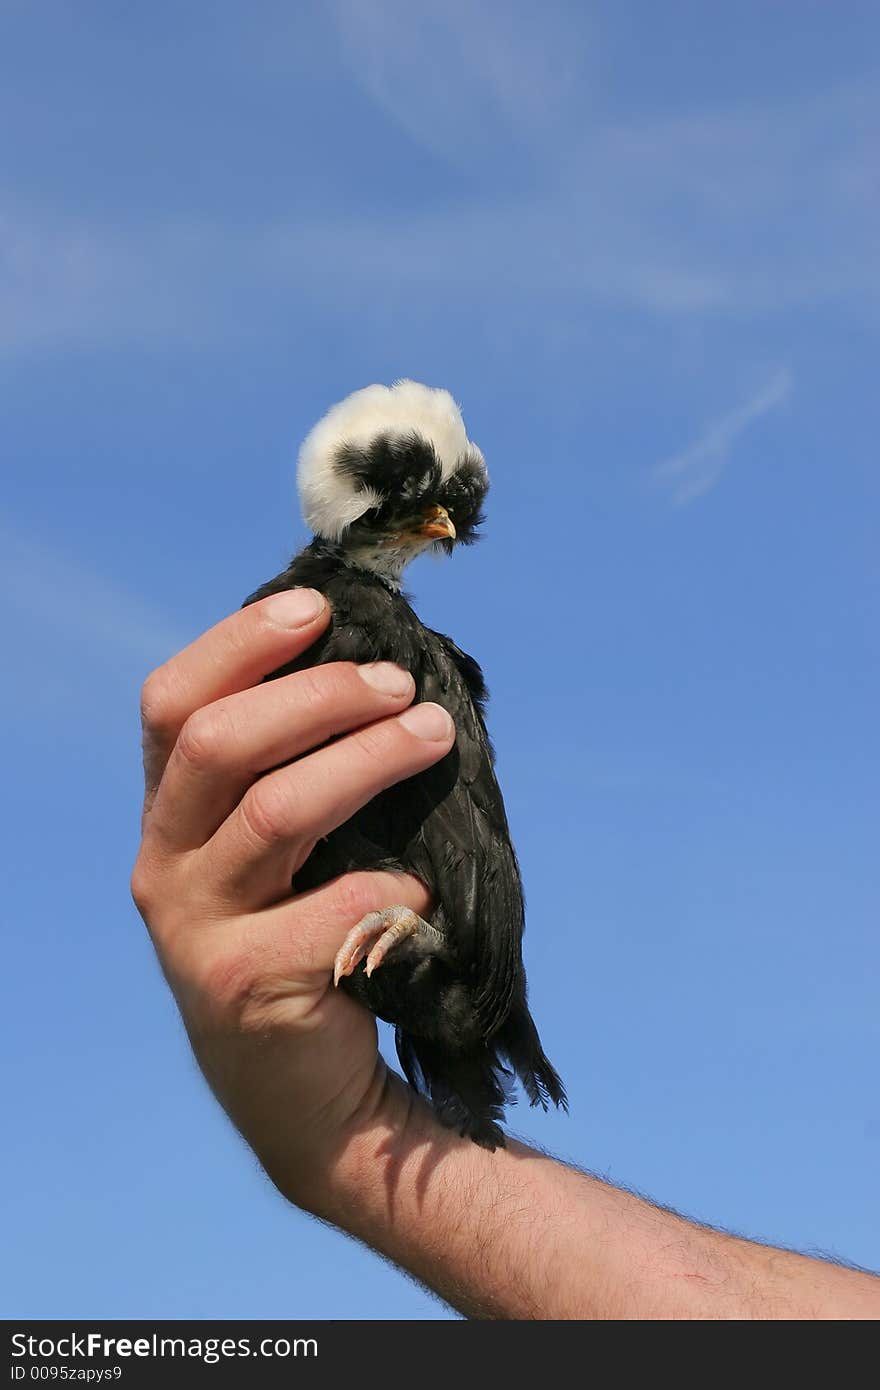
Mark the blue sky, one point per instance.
(640, 245)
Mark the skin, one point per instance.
(240, 783)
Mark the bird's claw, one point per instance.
(374, 936)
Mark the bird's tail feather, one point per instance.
(520, 1042)
(467, 1090)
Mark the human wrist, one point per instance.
(416, 1193)
(352, 1168)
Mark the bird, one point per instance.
(387, 474)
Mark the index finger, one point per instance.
(226, 659)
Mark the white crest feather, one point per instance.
(330, 499)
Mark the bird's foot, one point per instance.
(377, 934)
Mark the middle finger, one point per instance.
(250, 861)
(225, 746)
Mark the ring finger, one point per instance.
(268, 836)
(225, 746)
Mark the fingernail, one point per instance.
(428, 721)
(386, 677)
(295, 607)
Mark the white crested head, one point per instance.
(332, 496)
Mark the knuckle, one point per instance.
(142, 888)
(204, 738)
(266, 812)
(225, 980)
(236, 988)
(321, 686)
(378, 744)
(356, 895)
(162, 895)
(160, 702)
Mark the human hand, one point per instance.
(240, 784)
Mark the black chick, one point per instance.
(388, 473)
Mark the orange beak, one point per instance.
(436, 525)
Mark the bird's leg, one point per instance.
(377, 934)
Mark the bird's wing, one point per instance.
(467, 838)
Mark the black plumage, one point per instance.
(456, 994)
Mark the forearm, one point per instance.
(516, 1235)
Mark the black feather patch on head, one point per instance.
(403, 469)
(405, 472)
(463, 494)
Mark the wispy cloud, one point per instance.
(459, 78)
(62, 596)
(66, 281)
(752, 209)
(697, 469)
(736, 213)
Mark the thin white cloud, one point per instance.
(754, 209)
(62, 595)
(723, 213)
(66, 282)
(697, 469)
(459, 78)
